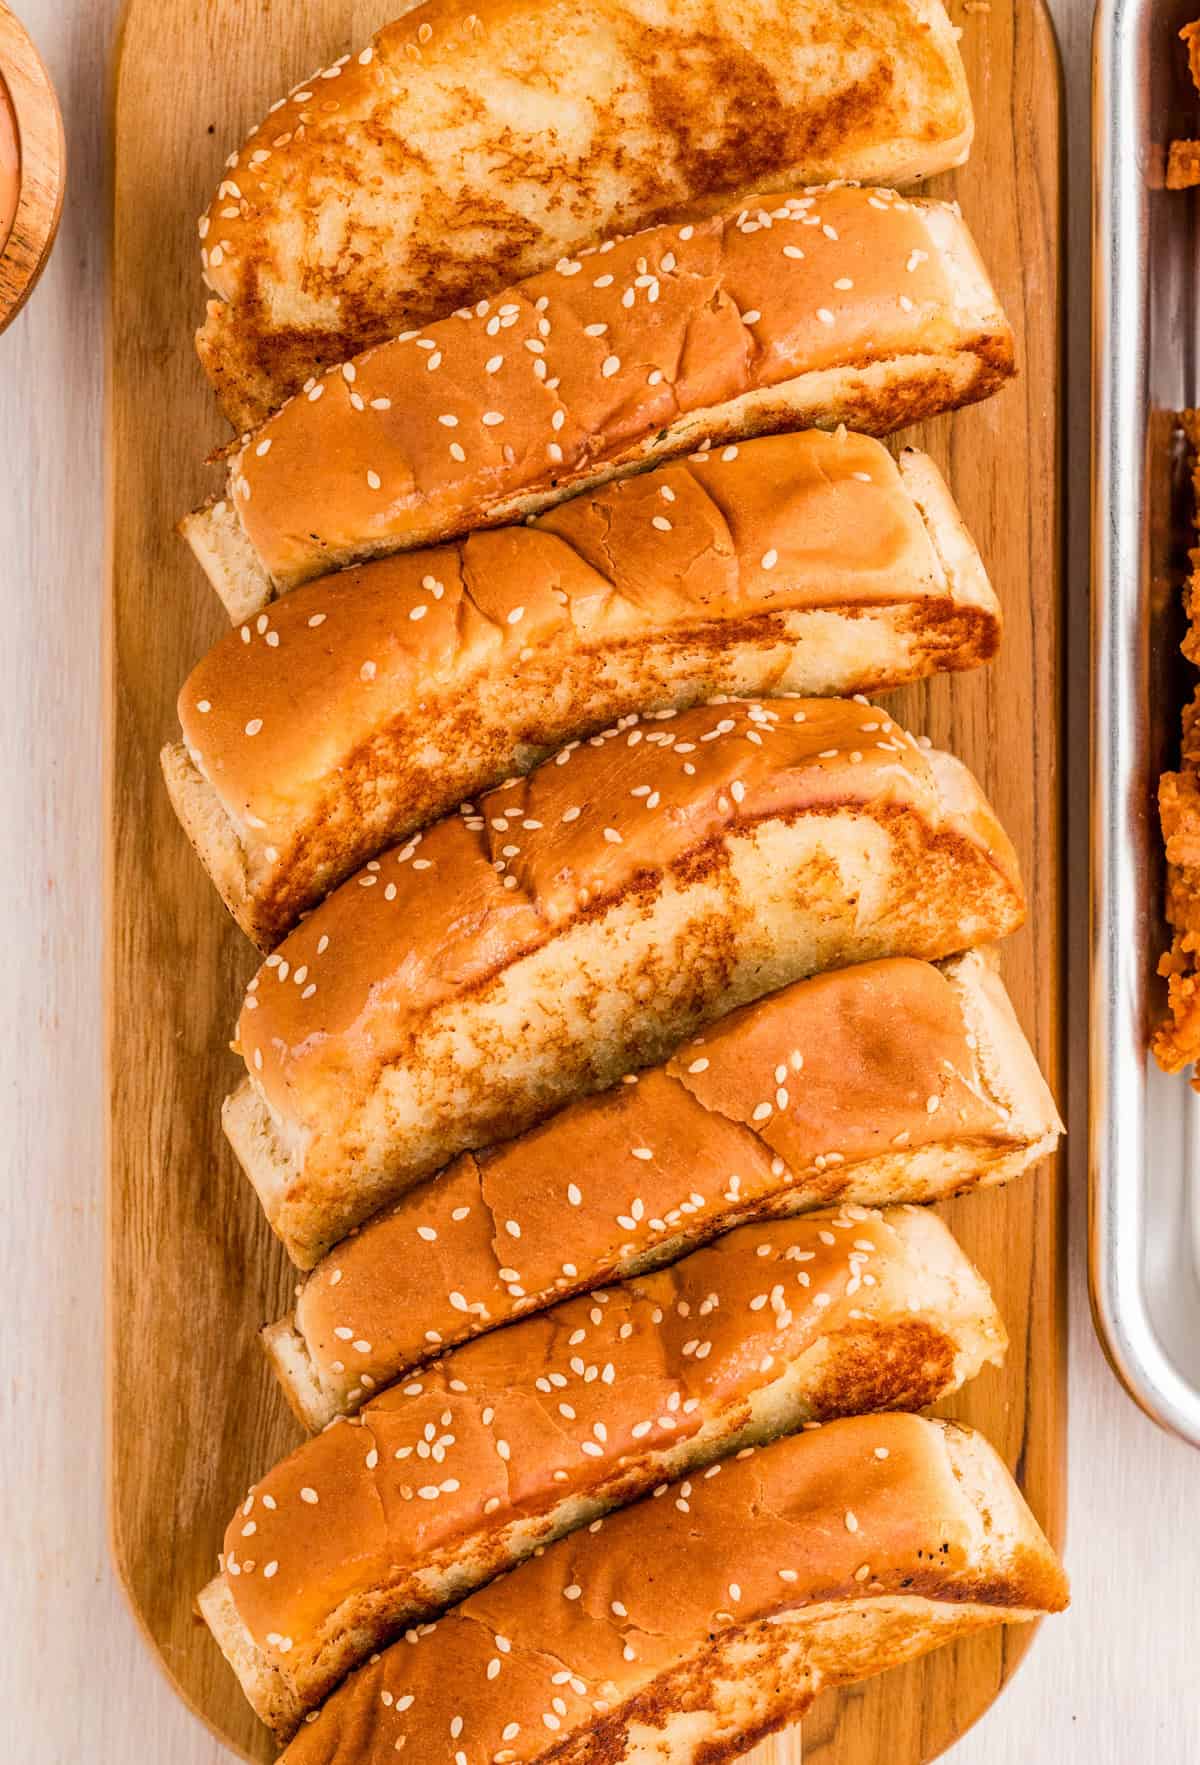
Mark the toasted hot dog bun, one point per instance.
(862, 1053)
(407, 178)
(515, 1439)
(371, 702)
(689, 1626)
(581, 922)
(841, 305)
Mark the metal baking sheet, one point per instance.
(1144, 1226)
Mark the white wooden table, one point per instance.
(1114, 1683)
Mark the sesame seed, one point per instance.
(662, 524)
(851, 1522)
(254, 725)
(770, 559)
(825, 316)
(491, 418)
(610, 366)
(310, 1496)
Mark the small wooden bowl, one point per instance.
(43, 165)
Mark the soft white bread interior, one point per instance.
(407, 178)
(582, 921)
(689, 1626)
(565, 1416)
(371, 702)
(843, 305)
(875, 1045)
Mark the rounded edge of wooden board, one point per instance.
(1013, 1644)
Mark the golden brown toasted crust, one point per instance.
(875, 1044)
(513, 1440)
(840, 305)
(406, 179)
(371, 703)
(583, 920)
(686, 1626)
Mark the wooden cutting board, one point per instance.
(193, 1271)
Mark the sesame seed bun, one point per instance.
(374, 701)
(405, 179)
(841, 305)
(694, 1623)
(582, 921)
(862, 1051)
(513, 1440)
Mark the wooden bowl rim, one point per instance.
(42, 144)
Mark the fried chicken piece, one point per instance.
(1183, 159)
(1176, 1042)
(1183, 165)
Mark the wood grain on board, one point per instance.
(195, 1416)
(43, 162)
